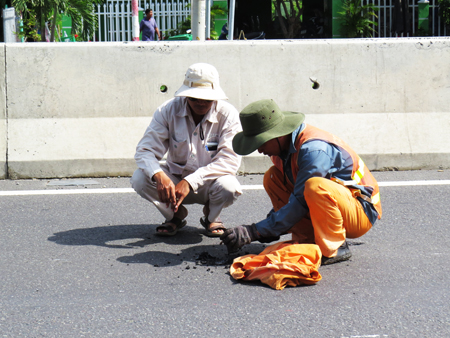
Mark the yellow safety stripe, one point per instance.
(356, 179)
(376, 198)
(359, 173)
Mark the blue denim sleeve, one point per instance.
(316, 159)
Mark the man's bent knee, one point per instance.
(138, 180)
(269, 177)
(226, 188)
(312, 186)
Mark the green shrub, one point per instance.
(357, 19)
(444, 10)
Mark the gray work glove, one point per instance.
(237, 237)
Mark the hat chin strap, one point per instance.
(284, 164)
(279, 145)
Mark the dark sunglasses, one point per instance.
(193, 99)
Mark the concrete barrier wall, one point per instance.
(79, 109)
(3, 120)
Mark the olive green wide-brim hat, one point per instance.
(263, 121)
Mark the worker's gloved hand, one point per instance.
(237, 237)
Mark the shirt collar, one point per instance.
(294, 138)
(211, 116)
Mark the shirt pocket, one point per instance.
(211, 146)
(178, 151)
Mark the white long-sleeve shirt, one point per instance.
(188, 146)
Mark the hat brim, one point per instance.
(202, 93)
(244, 145)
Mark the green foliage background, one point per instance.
(444, 10)
(357, 19)
(36, 12)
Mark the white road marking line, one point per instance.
(366, 336)
(66, 192)
(92, 191)
(244, 187)
(413, 183)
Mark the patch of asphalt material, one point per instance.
(208, 262)
(206, 259)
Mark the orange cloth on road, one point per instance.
(281, 264)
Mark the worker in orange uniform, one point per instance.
(321, 190)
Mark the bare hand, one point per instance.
(166, 189)
(181, 191)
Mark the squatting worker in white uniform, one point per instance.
(195, 129)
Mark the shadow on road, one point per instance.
(143, 235)
(216, 256)
(116, 236)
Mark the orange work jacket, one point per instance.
(361, 175)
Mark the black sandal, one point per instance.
(171, 226)
(209, 230)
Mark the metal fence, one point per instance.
(115, 17)
(402, 20)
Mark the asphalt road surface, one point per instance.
(79, 258)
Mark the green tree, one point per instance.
(444, 10)
(84, 20)
(216, 10)
(30, 31)
(289, 13)
(357, 19)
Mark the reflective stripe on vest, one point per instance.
(375, 198)
(357, 176)
(359, 173)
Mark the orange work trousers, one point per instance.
(334, 213)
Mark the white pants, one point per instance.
(220, 193)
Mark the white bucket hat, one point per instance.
(202, 82)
